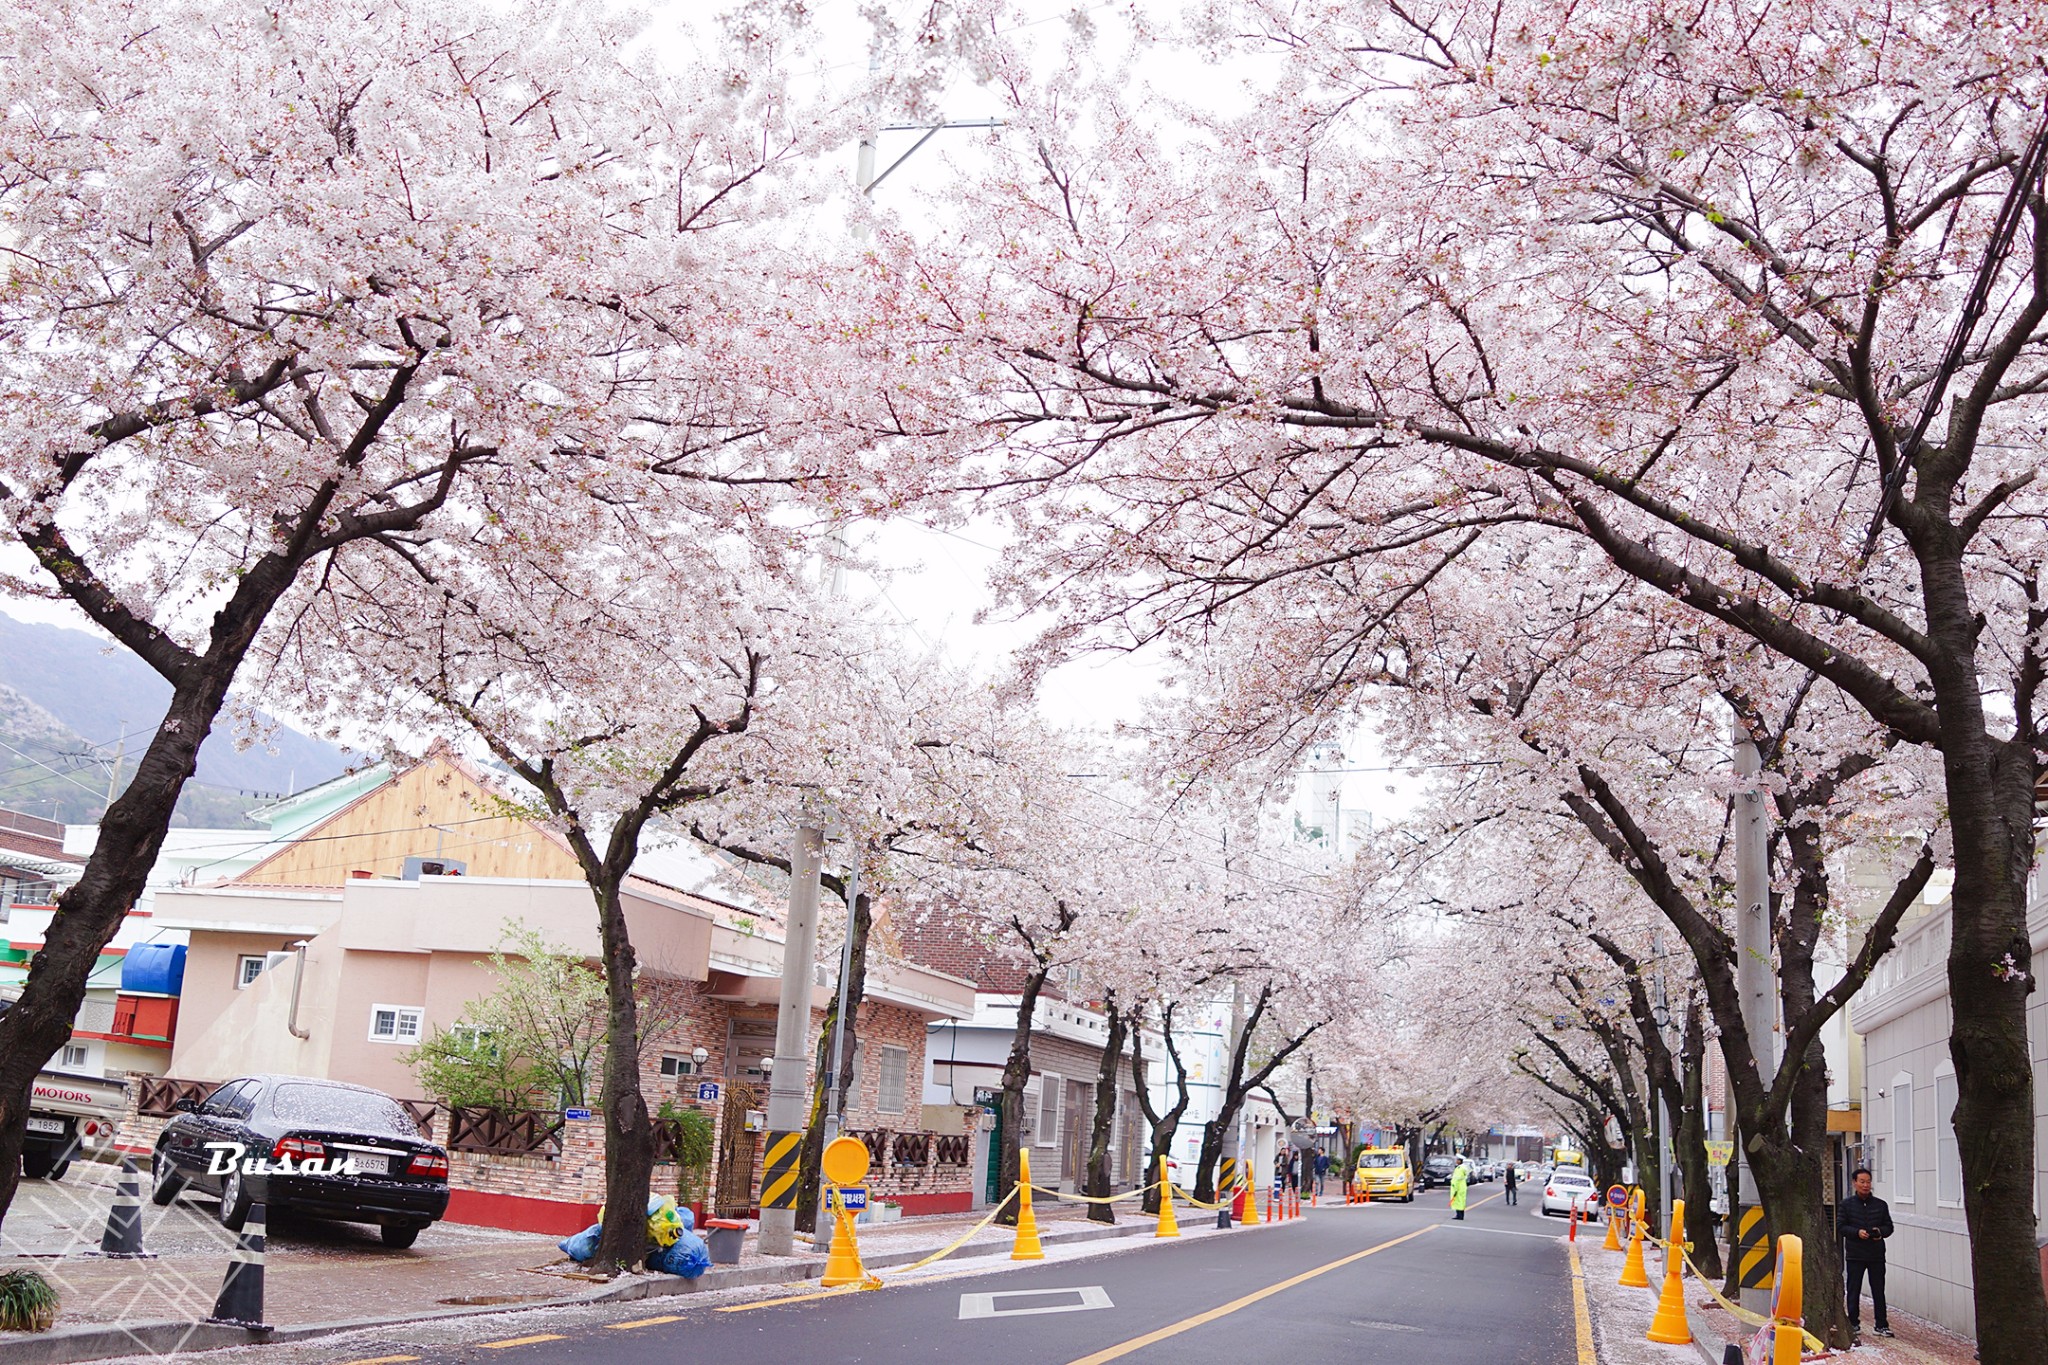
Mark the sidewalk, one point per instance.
(319, 1275)
(1621, 1318)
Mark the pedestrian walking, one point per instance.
(1508, 1181)
(1866, 1222)
(1459, 1177)
(1322, 1171)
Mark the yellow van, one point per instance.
(1383, 1173)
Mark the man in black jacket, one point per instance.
(1866, 1221)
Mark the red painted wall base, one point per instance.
(519, 1213)
(953, 1201)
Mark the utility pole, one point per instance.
(788, 1080)
(1754, 979)
(114, 776)
(835, 1095)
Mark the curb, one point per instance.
(62, 1347)
(777, 1274)
(1711, 1347)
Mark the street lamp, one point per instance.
(698, 1056)
(767, 1065)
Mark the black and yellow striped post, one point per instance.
(778, 1170)
(1226, 1190)
(1753, 1255)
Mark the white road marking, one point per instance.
(985, 1305)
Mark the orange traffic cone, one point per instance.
(843, 1265)
(1632, 1275)
(1613, 1242)
(1669, 1326)
(1169, 1226)
(1251, 1195)
(1028, 1247)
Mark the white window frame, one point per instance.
(1050, 1084)
(1902, 1153)
(888, 1052)
(1947, 1154)
(683, 1064)
(244, 978)
(399, 1013)
(84, 1051)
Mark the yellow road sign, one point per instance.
(845, 1161)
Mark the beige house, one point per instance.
(339, 953)
(344, 982)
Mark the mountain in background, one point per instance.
(67, 695)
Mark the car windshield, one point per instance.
(1379, 1159)
(333, 1106)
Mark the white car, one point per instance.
(1565, 1191)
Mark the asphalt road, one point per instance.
(1400, 1284)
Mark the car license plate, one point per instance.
(368, 1163)
(36, 1125)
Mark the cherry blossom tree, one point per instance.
(1747, 300)
(291, 290)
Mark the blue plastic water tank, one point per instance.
(154, 968)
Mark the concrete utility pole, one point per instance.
(835, 1094)
(1755, 981)
(788, 1081)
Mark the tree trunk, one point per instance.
(1692, 1145)
(1096, 1179)
(1991, 811)
(1016, 1074)
(628, 1137)
(90, 912)
(1161, 1126)
(811, 1152)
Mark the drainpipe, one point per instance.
(298, 980)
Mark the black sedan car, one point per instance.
(308, 1146)
(1437, 1171)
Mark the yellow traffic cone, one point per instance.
(1251, 1195)
(1632, 1274)
(1613, 1242)
(1168, 1225)
(1669, 1326)
(843, 1265)
(1028, 1247)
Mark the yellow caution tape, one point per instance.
(1219, 1205)
(945, 1251)
(1814, 1344)
(1139, 1193)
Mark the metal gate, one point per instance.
(736, 1151)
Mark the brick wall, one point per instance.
(959, 943)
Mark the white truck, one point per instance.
(68, 1114)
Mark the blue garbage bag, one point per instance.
(689, 1257)
(582, 1246)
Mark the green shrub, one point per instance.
(27, 1302)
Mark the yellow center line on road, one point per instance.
(644, 1322)
(520, 1341)
(1580, 1316)
(1224, 1310)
